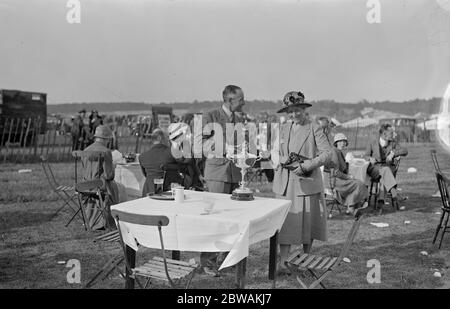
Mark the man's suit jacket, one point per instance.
(219, 169)
(373, 150)
(313, 145)
(106, 167)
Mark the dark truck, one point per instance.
(23, 115)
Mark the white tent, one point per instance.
(359, 122)
(430, 124)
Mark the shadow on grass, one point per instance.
(16, 219)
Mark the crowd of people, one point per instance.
(83, 129)
(301, 181)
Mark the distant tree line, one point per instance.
(339, 110)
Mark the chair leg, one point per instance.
(190, 279)
(444, 228)
(61, 208)
(317, 278)
(438, 227)
(73, 217)
(70, 199)
(83, 215)
(138, 282)
(301, 282)
(294, 271)
(67, 201)
(146, 283)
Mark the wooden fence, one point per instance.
(20, 141)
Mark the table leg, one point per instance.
(241, 273)
(273, 257)
(131, 257)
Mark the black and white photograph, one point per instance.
(228, 145)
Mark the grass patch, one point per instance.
(33, 240)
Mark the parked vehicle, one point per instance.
(23, 115)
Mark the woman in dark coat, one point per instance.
(350, 192)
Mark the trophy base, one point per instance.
(242, 195)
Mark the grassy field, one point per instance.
(33, 240)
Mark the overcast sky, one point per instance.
(185, 50)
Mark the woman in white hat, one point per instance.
(350, 192)
(301, 181)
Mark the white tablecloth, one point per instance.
(232, 226)
(131, 177)
(358, 169)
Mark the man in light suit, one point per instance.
(382, 154)
(221, 174)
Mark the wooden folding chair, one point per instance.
(330, 191)
(112, 264)
(443, 183)
(91, 189)
(66, 193)
(163, 269)
(437, 169)
(300, 262)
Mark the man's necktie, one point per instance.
(233, 117)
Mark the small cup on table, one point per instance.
(179, 195)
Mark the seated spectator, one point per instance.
(382, 154)
(326, 125)
(181, 140)
(102, 136)
(153, 160)
(350, 192)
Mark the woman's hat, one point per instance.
(293, 98)
(103, 131)
(340, 137)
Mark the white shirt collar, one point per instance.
(383, 142)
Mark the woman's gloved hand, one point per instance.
(301, 171)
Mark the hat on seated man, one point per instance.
(103, 132)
